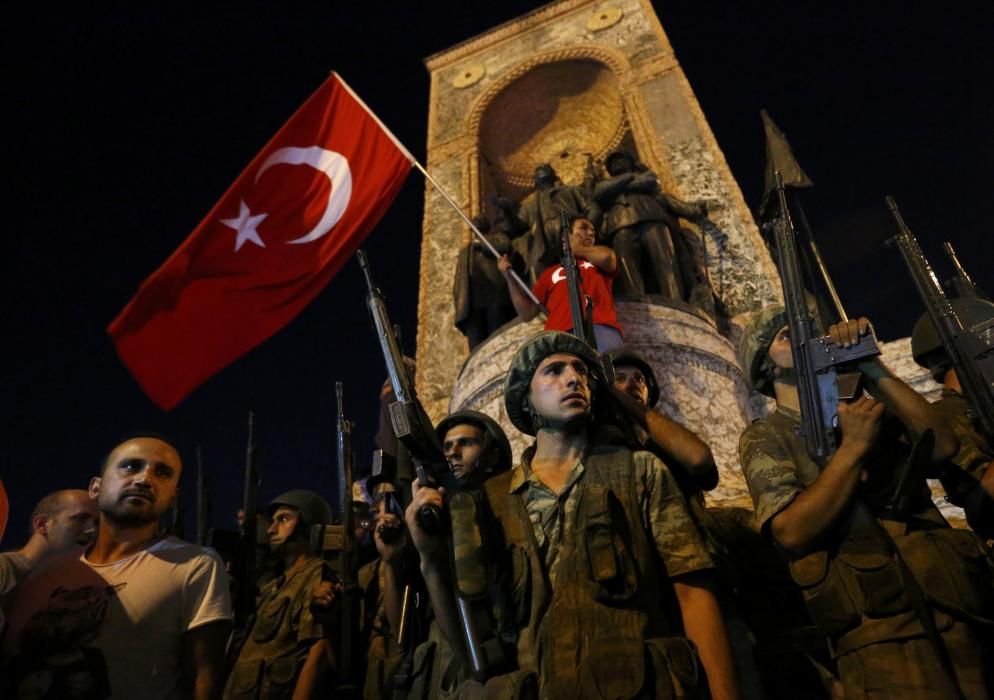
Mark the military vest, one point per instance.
(602, 632)
(854, 587)
(278, 643)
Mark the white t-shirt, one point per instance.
(114, 629)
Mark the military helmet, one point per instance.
(755, 344)
(313, 509)
(527, 360)
(925, 341)
(491, 429)
(623, 357)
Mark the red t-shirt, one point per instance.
(552, 290)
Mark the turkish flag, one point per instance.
(289, 222)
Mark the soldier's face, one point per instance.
(631, 381)
(560, 387)
(74, 524)
(463, 447)
(139, 482)
(582, 233)
(283, 526)
(780, 350)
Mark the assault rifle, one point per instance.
(961, 284)
(581, 306)
(410, 422)
(816, 359)
(349, 635)
(970, 350)
(245, 580)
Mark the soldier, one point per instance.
(898, 595)
(382, 582)
(579, 525)
(284, 653)
(598, 267)
(971, 484)
(476, 449)
(641, 221)
(538, 218)
(479, 292)
(688, 457)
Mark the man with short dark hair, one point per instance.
(135, 615)
(61, 520)
(598, 267)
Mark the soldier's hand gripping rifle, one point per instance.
(970, 350)
(816, 358)
(410, 423)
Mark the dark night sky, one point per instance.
(128, 120)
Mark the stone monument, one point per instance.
(566, 83)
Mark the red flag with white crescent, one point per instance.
(285, 227)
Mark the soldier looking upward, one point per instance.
(590, 535)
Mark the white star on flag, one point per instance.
(245, 226)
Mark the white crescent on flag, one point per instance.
(332, 164)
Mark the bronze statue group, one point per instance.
(590, 567)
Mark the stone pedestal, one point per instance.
(700, 381)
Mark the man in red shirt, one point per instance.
(598, 268)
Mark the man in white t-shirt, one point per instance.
(137, 614)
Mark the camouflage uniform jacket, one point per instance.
(852, 583)
(975, 453)
(281, 637)
(583, 579)
(382, 651)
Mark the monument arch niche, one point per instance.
(573, 79)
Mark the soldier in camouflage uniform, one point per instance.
(476, 449)
(588, 538)
(902, 598)
(284, 653)
(970, 484)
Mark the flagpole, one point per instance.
(480, 236)
(414, 161)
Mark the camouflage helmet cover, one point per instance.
(485, 423)
(527, 360)
(623, 357)
(756, 340)
(313, 509)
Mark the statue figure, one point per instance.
(640, 223)
(534, 223)
(480, 292)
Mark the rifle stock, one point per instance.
(970, 350)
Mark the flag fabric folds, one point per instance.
(285, 227)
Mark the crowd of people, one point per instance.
(590, 567)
